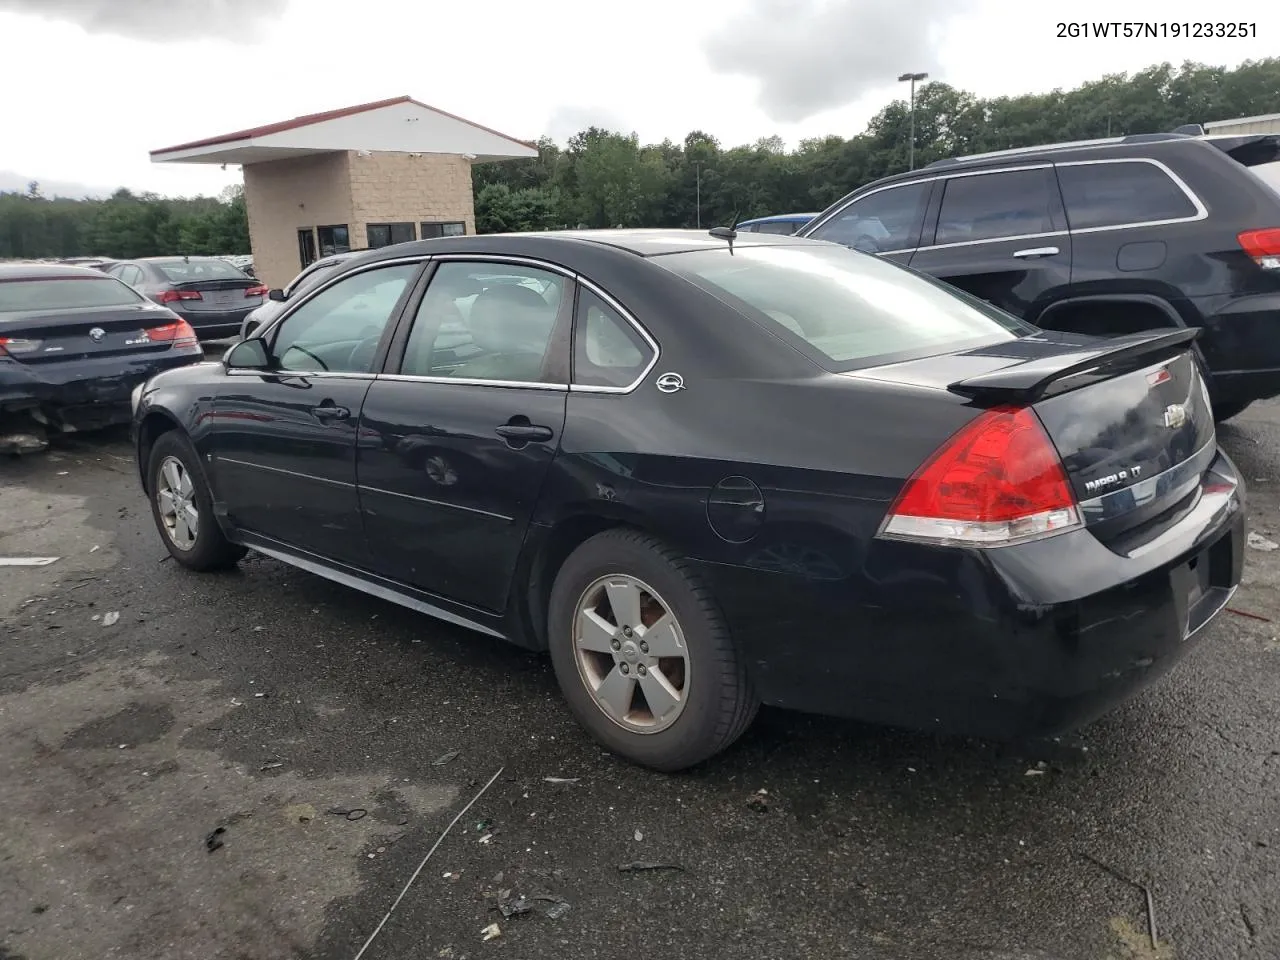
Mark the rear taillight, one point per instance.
(1263, 246)
(999, 480)
(16, 346)
(172, 296)
(258, 291)
(178, 334)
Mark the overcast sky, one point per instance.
(93, 85)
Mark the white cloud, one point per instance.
(94, 102)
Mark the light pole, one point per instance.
(911, 150)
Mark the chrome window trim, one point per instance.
(470, 382)
(578, 278)
(300, 374)
(1200, 214)
(1182, 475)
(288, 473)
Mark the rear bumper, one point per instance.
(1241, 345)
(211, 324)
(89, 392)
(1023, 641)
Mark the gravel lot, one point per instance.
(262, 699)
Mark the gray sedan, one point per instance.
(208, 292)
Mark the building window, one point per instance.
(385, 234)
(447, 229)
(334, 238)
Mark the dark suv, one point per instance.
(1103, 237)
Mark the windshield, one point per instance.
(64, 293)
(842, 308)
(186, 271)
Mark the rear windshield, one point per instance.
(842, 308)
(185, 271)
(64, 293)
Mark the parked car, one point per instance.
(208, 292)
(276, 299)
(706, 475)
(783, 224)
(1109, 236)
(73, 345)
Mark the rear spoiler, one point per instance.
(1250, 150)
(1034, 379)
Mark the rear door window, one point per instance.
(842, 309)
(995, 206)
(1116, 192)
(879, 222)
(607, 350)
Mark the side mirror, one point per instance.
(276, 295)
(247, 355)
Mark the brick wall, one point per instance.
(403, 187)
(285, 196)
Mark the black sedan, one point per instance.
(73, 345)
(208, 292)
(706, 472)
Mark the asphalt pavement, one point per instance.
(333, 737)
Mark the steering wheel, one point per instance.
(362, 354)
(866, 243)
(323, 365)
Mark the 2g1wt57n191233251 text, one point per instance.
(1157, 30)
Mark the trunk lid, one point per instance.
(1130, 416)
(219, 296)
(82, 332)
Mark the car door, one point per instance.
(885, 220)
(283, 440)
(466, 427)
(999, 235)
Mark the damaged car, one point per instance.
(74, 343)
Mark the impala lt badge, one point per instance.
(669, 382)
(1175, 415)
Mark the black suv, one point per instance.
(1104, 237)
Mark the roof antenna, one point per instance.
(728, 233)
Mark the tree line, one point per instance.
(604, 178)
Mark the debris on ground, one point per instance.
(561, 779)
(491, 932)
(27, 561)
(30, 437)
(1146, 891)
(353, 813)
(1258, 542)
(641, 866)
(214, 840)
(639, 836)
(483, 825)
(759, 801)
(553, 908)
(486, 839)
(271, 766)
(1246, 613)
(446, 758)
(111, 618)
(1038, 770)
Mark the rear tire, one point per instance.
(182, 507)
(1225, 411)
(680, 653)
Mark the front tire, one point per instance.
(182, 507)
(643, 655)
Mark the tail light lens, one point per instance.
(172, 296)
(258, 291)
(16, 346)
(1263, 246)
(999, 480)
(180, 334)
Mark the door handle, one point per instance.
(524, 432)
(329, 411)
(1036, 252)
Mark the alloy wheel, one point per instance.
(175, 495)
(631, 653)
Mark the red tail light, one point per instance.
(179, 334)
(258, 291)
(15, 346)
(999, 480)
(170, 296)
(1263, 246)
